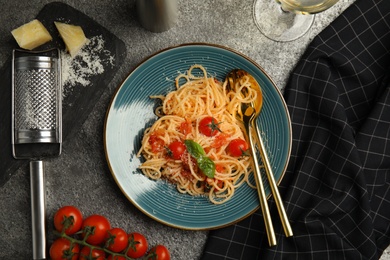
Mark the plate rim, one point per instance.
(147, 58)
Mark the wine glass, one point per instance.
(287, 20)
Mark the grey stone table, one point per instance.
(80, 176)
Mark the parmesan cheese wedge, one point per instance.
(73, 37)
(31, 35)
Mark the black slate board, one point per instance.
(79, 102)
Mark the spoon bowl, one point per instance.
(239, 75)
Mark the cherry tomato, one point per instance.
(138, 245)
(209, 126)
(185, 127)
(159, 252)
(176, 150)
(156, 142)
(62, 249)
(219, 168)
(237, 147)
(220, 140)
(96, 227)
(117, 257)
(68, 217)
(116, 240)
(95, 254)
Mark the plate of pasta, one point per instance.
(175, 145)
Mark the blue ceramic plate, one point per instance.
(131, 111)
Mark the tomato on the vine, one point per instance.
(95, 227)
(159, 252)
(63, 249)
(237, 147)
(138, 245)
(95, 254)
(68, 217)
(116, 257)
(209, 126)
(116, 240)
(176, 149)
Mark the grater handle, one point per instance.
(38, 209)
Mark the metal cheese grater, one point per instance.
(36, 125)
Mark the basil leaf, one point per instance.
(194, 149)
(205, 164)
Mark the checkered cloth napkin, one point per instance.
(337, 187)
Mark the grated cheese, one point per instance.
(90, 61)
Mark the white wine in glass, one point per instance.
(287, 20)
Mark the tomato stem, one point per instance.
(82, 242)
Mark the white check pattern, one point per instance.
(337, 186)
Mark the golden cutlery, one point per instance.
(250, 112)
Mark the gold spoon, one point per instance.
(248, 115)
(233, 76)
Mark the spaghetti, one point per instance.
(180, 118)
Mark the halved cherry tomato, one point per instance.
(156, 142)
(95, 254)
(220, 140)
(219, 184)
(219, 168)
(237, 147)
(138, 245)
(185, 127)
(116, 240)
(209, 126)
(96, 227)
(176, 150)
(62, 249)
(68, 217)
(159, 252)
